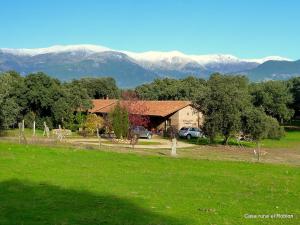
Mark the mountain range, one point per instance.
(131, 69)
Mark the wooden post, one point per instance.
(44, 133)
(134, 140)
(23, 126)
(99, 137)
(46, 130)
(173, 141)
(20, 132)
(33, 134)
(22, 137)
(258, 151)
(59, 135)
(174, 146)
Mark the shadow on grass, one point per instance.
(26, 203)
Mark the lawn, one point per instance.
(291, 139)
(15, 132)
(46, 185)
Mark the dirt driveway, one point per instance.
(155, 143)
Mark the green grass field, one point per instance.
(290, 140)
(45, 185)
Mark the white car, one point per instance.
(190, 132)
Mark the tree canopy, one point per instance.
(171, 89)
(274, 97)
(294, 86)
(39, 97)
(223, 104)
(10, 109)
(98, 88)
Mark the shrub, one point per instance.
(29, 118)
(93, 122)
(119, 121)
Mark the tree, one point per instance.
(93, 122)
(52, 101)
(119, 121)
(41, 98)
(274, 97)
(136, 109)
(259, 126)
(223, 104)
(77, 96)
(294, 86)
(9, 109)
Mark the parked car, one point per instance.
(190, 132)
(142, 132)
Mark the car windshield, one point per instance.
(184, 128)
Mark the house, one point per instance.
(162, 114)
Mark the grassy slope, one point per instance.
(42, 185)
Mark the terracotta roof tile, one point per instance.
(152, 108)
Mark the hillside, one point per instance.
(277, 70)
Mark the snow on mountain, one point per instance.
(176, 56)
(55, 49)
(171, 57)
(153, 56)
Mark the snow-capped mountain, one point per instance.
(128, 68)
(55, 49)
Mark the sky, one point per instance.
(244, 28)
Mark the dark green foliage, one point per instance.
(9, 107)
(172, 89)
(259, 125)
(9, 113)
(228, 109)
(29, 118)
(77, 121)
(294, 85)
(98, 88)
(274, 97)
(41, 98)
(119, 121)
(223, 104)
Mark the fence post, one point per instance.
(33, 129)
(99, 137)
